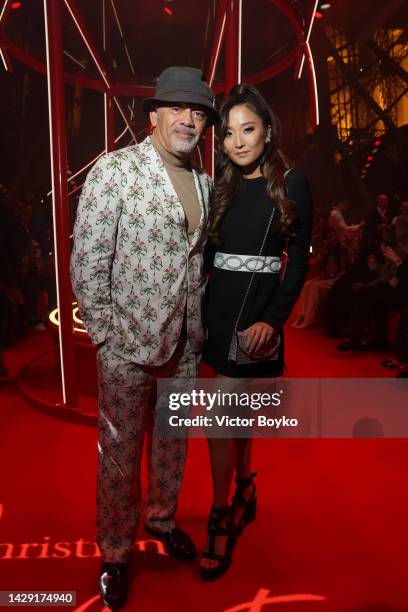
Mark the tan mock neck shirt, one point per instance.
(181, 175)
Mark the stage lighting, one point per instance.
(377, 143)
(370, 158)
(318, 15)
(15, 5)
(167, 10)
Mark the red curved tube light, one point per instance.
(123, 89)
(227, 17)
(117, 89)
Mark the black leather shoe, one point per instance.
(177, 542)
(113, 584)
(393, 364)
(375, 345)
(350, 345)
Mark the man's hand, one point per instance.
(259, 335)
(391, 255)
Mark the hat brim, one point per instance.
(185, 98)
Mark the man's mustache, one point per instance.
(185, 130)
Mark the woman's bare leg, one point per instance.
(243, 453)
(223, 462)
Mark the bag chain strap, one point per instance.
(253, 273)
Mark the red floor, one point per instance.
(331, 533)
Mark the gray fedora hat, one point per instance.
(183, 84)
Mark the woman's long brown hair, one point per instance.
(274, 163)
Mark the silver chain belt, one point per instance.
(247, 263)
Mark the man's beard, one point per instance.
(183, 145)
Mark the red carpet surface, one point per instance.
(331, 532)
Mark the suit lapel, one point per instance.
(171, 200)
(201, 198)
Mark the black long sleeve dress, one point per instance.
(271, 298)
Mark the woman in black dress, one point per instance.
(253, 178)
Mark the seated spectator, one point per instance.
(375, 229)
(400, 223)
(5, 318)
(312, 304)
(347, 235)
(13, 243)
(338, 224)
(33, 283)
(400, 360)
(375, 220)
(341, 295)
(374, 300)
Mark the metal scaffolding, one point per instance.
(367, 81)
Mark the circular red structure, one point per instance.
(81, 355)
(128, 89)
(40, 381)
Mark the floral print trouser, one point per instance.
(127, 406)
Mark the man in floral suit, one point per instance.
(137, 273)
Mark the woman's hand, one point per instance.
(259, 335)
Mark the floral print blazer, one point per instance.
(134, 273)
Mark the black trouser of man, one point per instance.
(374, 303)
(341, 297)
(401, 337)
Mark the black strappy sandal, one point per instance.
(244, 508)
(219, 524)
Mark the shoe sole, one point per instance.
(159, 537)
